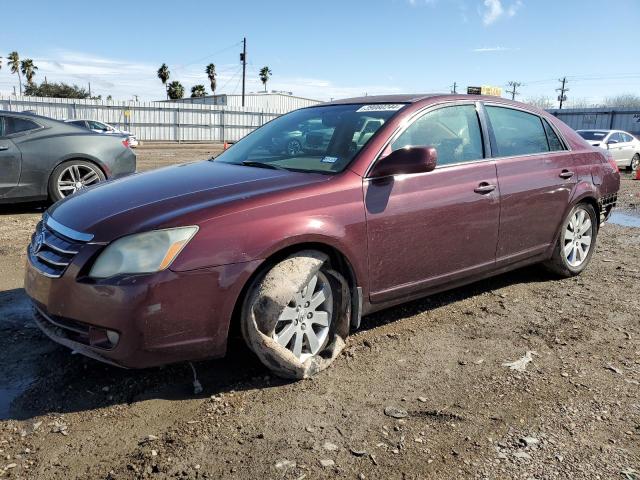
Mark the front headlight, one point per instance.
(142, 253)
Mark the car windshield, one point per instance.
(592, 134)
(317, 139)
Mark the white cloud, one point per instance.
(494, 10)
(122, 79)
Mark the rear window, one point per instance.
(517, 132)
(16, 125)
(592, 135)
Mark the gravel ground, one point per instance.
(420, 392)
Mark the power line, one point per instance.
(212, 54)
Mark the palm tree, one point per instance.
(14, 64)
(265, 73)
(211, 74)
(28, 69)
(163, 75)
(198, 91)
(175, 90)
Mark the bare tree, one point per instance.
(624, 100)
(541, 101)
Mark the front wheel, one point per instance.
(635, 163)
(296, 316)
(576, 242)
(69, 177)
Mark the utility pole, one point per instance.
(562, 97)
(243, 59)
(514, 92)
(89, 89)
(454, 88)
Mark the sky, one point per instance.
(330, 48)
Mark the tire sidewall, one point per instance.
(594, 233)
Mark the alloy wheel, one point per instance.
(635, 162)
(577, 237)
(303, 326)
(76, 177)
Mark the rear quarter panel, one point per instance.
(43, 150)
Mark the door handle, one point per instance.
(3, 148)
(484, 188)
(566, 174)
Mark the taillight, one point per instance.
(125, 143)
(612, 162)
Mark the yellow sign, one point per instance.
(489, 90)
(127, 113)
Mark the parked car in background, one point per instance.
(105, 128)
(42, 158)
(293, 249)
(624, 147)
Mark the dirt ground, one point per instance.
(437, 363)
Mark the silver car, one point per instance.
(624, 147)
(104, 128)
(42, 158)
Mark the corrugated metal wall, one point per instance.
(627, 119)
(151, 121)
(268, 102)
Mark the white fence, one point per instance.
(151, 121)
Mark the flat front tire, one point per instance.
(576, 241)
(296, 315)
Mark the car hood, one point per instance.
(179, 195)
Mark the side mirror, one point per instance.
(406, 160)
(611, 142)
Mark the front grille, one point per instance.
(50, 251)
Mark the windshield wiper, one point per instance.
(252, 163)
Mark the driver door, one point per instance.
(429, 229)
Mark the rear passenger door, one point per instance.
(536, 174)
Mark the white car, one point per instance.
(624, 147)
(101, 127)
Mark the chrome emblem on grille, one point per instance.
(38, 241)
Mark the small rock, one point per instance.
(528, 441)
(422, 399)
(285, 464)
(105, 389)
(327, 462)
(11, 465)
(395, 412)
(147, 439)
(522, 455)
(154, 453)
(330, 447)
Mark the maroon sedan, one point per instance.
(387, 199)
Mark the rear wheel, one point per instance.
(576, 242)
(71, 176)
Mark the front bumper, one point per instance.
(159, 318)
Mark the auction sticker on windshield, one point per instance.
(382, 107)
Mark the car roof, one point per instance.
(398, 98)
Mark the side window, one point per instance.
(517, 132)
(17, 125)
(614, 138)
(96, 125)
(453, 131)
(626, 138)
(554, 142)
